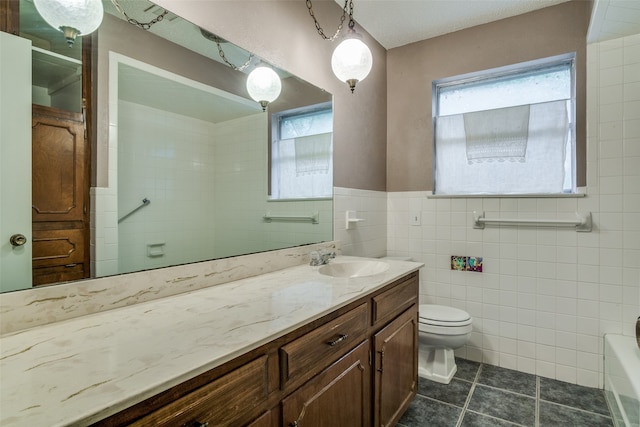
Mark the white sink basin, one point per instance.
(354, 268)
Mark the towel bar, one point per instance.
(583, 222)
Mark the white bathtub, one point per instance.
(622, 379)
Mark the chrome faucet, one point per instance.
(321, 257)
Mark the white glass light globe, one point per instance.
(351, 61)
(72, 17)
(263, 85)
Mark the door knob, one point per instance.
(18, 240)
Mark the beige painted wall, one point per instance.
(412, 68)
(283, 33)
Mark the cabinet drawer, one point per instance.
(231, 400)
(394, 301)
(309, 354)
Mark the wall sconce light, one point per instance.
(263, 85)
(351, 60)
(71, 17)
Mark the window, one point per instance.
(302, 153)
(509, 130)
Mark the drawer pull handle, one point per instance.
(338, 340)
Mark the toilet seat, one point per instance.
(443, 316)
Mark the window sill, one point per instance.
(506, 196)
(310, 199)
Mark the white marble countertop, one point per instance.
(78, 371)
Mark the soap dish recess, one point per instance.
(351, 219)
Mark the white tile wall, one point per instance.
(197, 174)
(241, 196)
(547, 295)
(369, 237)
(167, 158)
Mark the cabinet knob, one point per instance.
(199, 424)
(338, 340)
(293, 424)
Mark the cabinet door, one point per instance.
(264, 420)
(339, 396)
(396, 367)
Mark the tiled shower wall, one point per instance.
(547, 295)
(241, 195)
(169, 159)
(197, 175)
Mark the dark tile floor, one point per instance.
(486, 396)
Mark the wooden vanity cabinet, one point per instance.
(339, 396)
(304, 357)
(395, 350)
(374, 383)
(226, 401)
(396, 368)
(354, 367)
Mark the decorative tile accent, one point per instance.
(458, 263)
(474, 263)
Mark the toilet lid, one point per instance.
(441, 313)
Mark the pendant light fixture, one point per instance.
(263, 85)
(351, 61)
(72, 17)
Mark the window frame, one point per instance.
(492, 74)
(276, 123)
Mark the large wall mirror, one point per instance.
(179, 163)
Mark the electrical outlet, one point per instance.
(415, 217)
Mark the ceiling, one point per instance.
(399, 22)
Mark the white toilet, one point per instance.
(441, 330)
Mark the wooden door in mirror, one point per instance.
(59, 183)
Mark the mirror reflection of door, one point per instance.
(59, 155)
(15, 161)
(59, 205)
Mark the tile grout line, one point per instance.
(585, 411)
(471, 390)
(537, 411)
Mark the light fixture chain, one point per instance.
(224, 57)
(352, 23)
(342, 19)
(143, 25)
